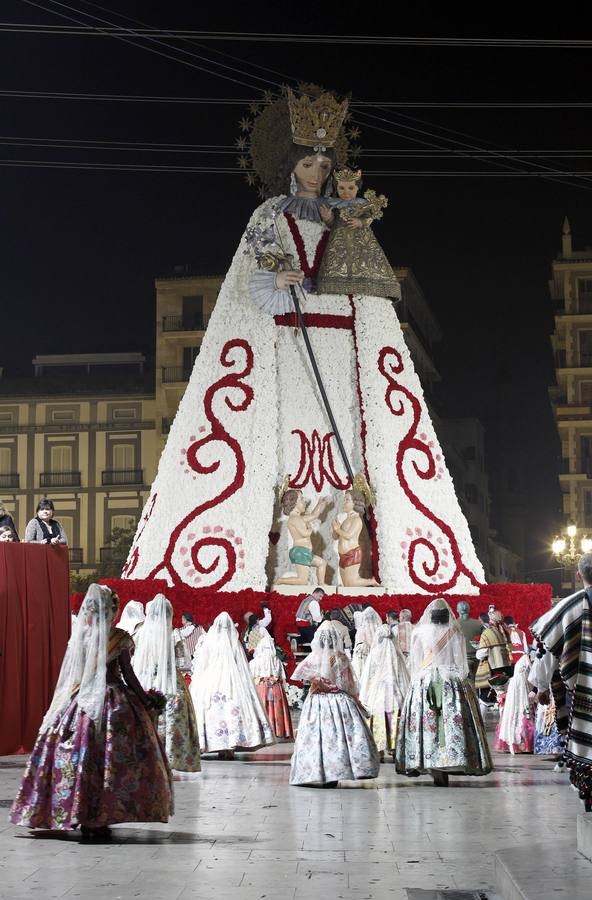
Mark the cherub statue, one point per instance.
(300, 528)
(347, 532)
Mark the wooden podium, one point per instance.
(35, 625)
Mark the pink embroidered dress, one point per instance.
(98, 759)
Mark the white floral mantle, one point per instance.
(252, 413)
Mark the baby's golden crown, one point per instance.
(347, 174)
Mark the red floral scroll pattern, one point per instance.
(134, 557)
(317, 462)
(232, 382)
(390, 363)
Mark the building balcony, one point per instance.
(184, 323)
(175, 375)
(10, 481)
(75, 556)
(59, 479)
(122, 476)
(108, 554)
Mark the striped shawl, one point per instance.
(566, 632)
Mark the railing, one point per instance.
(10, 481)
(107, 554)
(59, 479)
(75, 556)
(122, 476)
(185, 323)
(172, 374)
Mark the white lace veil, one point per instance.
(327, 660)
(266, 663)
(369, 622)
(132, 614)
(221, 667)
(438, 645)
(84, 667)
(154, 657)
(385, 679)
(516, 704)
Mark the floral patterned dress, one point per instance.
(441, 726)
(77, 775)
(333, 742)
(177, 726)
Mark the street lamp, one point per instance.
(567, 552)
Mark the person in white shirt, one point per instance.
(309, 615)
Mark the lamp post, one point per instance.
(567, 548)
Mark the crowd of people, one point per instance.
(140, 703)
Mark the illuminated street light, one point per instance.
(568, 551)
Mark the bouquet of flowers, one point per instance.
(157, 700)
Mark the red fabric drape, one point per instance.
(34, 631)
(525, 602)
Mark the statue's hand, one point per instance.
(283, 280)
(327, 214)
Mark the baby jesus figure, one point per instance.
(353, 261)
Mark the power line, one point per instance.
(227, 149)
(219, 170)
(354, 104)
(153, 50)
(553, 175)
(266, 37)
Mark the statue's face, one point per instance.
(300, 503)
(348, 503)
(311, 173)
(346, 190)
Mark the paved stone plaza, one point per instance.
(241, 832)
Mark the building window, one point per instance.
(124, 522)
(127, 413)
(5, 460)
(67, 523)
(585, 344)
(584, 295)
(190, 354)
(6, 418)
(63, 415)
(587, 509)
(124, 456)
(586, 391)
(61, 458)
(193, 313)
(470, 454)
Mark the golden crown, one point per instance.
(347, 174)
(316, 122)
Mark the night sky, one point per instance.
(81, 249)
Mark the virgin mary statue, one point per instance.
(256, 415)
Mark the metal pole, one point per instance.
(320, 384)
